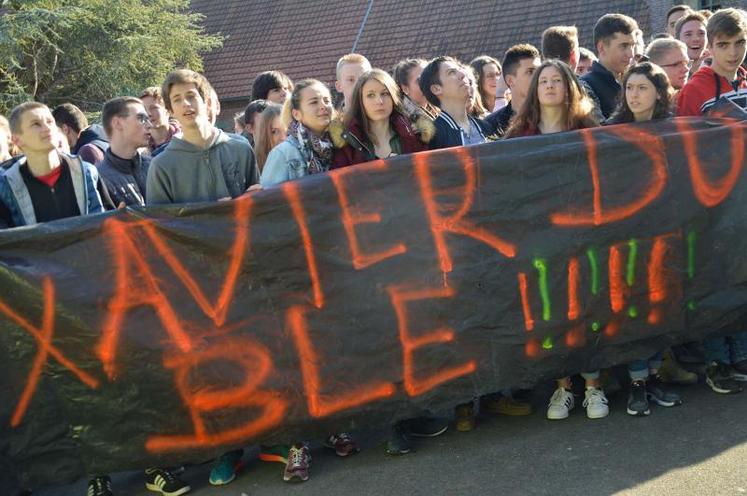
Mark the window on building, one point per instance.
(712, 5)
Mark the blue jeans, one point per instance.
(638, 370)
(589, 376)
(726, 349)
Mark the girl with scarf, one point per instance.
(308, 148)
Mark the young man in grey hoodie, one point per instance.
(205, 164)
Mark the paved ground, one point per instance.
(699, 448)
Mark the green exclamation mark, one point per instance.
(591, 254)
(541, 267)
(632, 254)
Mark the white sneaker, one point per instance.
(595, 403)
(561, 403)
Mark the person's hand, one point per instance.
(122, 205)
(254, 187)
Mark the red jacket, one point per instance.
(351, 147)
(702, 92)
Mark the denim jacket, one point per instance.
(287, 161)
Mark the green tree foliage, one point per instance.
(88, 51)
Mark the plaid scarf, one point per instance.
(318, 149)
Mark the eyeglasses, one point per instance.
(687, 64)
(142, 118)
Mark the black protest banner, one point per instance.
(367, 295)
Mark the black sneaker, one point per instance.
(398, 443)
(739, 371)
(659, 394)
(160, 480)
(719, 379)
(100, 486)
(427, 426)
(637, 402)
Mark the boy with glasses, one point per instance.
(671, 55)
(124, 169)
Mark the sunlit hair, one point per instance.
(609, 25)
(515, 54)
(430, 76)
(293, 102)
(116, 107)
(706, 13)
(664, 90)
(153, 92)
(660, 48)
(68, 114)
(184, 76)
(726, 22)
(476, 106)
(577, 112)
(357, 111)
(16, 115)
(401, 71)
(559, 42)
(478, 65)
(263, 133)
(352, 58)
(690, 16)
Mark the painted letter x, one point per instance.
(43, 338)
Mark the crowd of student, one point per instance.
(162, 147)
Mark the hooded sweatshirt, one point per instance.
(185, 173)
(91, 145)
(706, 87)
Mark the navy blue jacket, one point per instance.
(93, 135)
(448, 132)
(125, 179)
(602, 88)
(500, 120)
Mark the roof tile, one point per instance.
(305, 39)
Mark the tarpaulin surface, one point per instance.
(374, 293)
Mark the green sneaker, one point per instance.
(224, 470)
